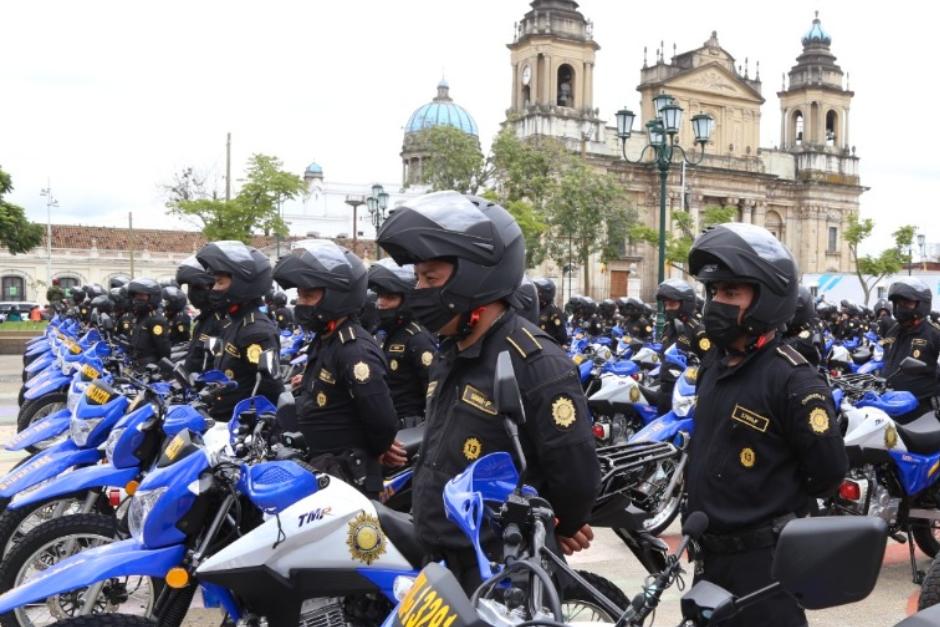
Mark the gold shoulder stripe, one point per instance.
(532, 337)
(517, 347)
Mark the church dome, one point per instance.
(816, 34)
(314, 168)
(442, 111)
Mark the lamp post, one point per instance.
(377, 204)
(663, 144)
(922, 244)
(50, 203)
(354, 201)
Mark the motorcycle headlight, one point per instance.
(80, 429)
(75, 395)
(142, 504)
(112, 441)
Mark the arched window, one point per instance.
(526, 96)
(13, 288)
(565, 86)
(774, 223)
(832, 121)
(798, 127)
(68, 282)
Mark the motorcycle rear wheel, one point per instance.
(925, 536)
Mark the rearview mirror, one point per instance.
(267, 363)
(829, 561)
(508, 399)
(913, 366)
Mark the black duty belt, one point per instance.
(749, 540)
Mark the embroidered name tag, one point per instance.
(396, 348)
(326, 377)
(918, 341)
(231, 350)
(749, 418)
(475, 398)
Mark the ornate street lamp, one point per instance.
(663, 144)
(377, 204)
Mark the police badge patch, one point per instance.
(365, 539)
(819, 420)
(472, 448)
(426, 358)
(157, 329)
(253, 353)
(747, 457)
(563, 412)
(361, 372)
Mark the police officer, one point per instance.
(409, 348)
(208, 322)
(123, 316)
(682, 328)
(149, 341)
(913, 335)
(635, 324)
(344, 408)
(469, 256)
(280, 312)
(174, 306)
(766, 442)
(552, 320)
(804, 332)
(883, 319)
(242, 275)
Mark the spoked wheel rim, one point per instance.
(664, 505)
(585, 612)
(45, 513)
(46, 410)
(127, 595)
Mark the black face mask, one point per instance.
(904, 315)
(141, 307)
(199, 297)
(218, 301)
(671, 314)
(388, 318)
(306, 316)
(428, 309)
(721, 323)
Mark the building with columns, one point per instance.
(802, 191)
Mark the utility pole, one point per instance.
(130, 238)
(50, 203)
(228, 167)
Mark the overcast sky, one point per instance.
(107, 99)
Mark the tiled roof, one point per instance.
(160, 240)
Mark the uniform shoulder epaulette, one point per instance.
(347, 334)
(791, 355)
(413, 328)
(934, 325)
(527, 343)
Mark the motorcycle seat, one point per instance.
(606, 407)
(921, 436)
(861, 356)
(400, 529)
(411, 439)
(650, 394)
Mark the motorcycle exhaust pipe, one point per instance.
(925, 514)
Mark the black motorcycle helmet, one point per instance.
(279, 299)
(630, 307)
(103, 303)
(249, 268)
(77, 295)
(588, 307)
(546, 290)
(805, 310)
(825, 310)
(883, 304)
(574, 304)
(325, 265)
(607, 308)
(94, 291)
(479, 237)
(747, 253)
(199, 282)
(171, 282)
(148, 288)
(118, 281)
(387, 277)
(679, 290)
(119, 298)
(174, 299)
(910, 288)
(527, 300)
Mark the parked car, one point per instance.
(21, 308)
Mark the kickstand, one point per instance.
(917, 574)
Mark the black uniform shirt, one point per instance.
(125, 326)
(765, 440)
(691, 340)
(462, 426)
(284, 318)
(921, 342)
(410, 351)
(180, 327)
(150, 340)
(344, 400)
(638, 328)
(207, 325)
(553, 321)
(245, 335)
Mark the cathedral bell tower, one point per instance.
(814, 111)
(553, 74)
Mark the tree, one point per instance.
(187, 184)
(679, 240)
(586, 214)
(255, 208)
(17, 234)
(454, 160)
(871, 269)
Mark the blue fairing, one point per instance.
(603, 341)
(212, 376)
(48, 387)
(664, 428)
(584, 370)
(110, 413)
(893, 403)
(259, 404)
(97, 476)
(648, 413)
(180, 417)
(871, 367)
(274, 486)
(40, 363)
(119, 559)
(43, 429)
(837, 396)
(160, 525)
(46, 464)
(300, 359)
(622, 368)
(384, 579)
(42, 344)
(917, 471)
(396, 483)
(851, 343)
(131, 436)
(214, 595)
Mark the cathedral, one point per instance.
(802, 191)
